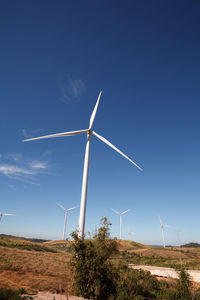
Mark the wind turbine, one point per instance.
(120, 218)
(162, 230)
(89, 133)
(129, 233)
(2, 215)
(66, 213)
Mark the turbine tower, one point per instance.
(2, 215)
(89, 133)
(66, 213)
(162, 230)
(120, 219)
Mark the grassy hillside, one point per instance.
(191, 245)
(45, 266)
(23, 244)
(22, 265)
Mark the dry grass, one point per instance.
(38, 271)
(46, 271)
(126, 245)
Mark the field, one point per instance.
(132, 252)
(45, 266)
(33, 266)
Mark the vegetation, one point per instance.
(102, 262)
(191, 245)
(92, 272)
(8, 294)
(183, 287)
(99, 275)
(25, 245)
(35, 240)
(35, 270)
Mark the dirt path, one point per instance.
(50, 296)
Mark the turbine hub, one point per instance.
(89, 133)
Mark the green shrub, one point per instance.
(95, 277)
(92, 272)
(183, 287)
(134, 283)
(8, 294)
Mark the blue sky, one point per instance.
(55, 58)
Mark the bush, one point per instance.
(96, 278)
(134, 284)
(8, 294)
(183, 286)
(92, 272)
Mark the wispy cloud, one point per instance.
(25, 133)
(35, 164)
(1, 155)
(11, 186)
(22, 169)
(12, 170)
(30, 132)
(14, 156)
(72, 89)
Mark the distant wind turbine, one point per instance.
(120, 218)
(162, 230)
(129, 233)
(66, 213)
(2, 215)
(89, 133)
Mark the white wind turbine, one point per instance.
(89, 133)
(162, 230)
(129, 233)
(66, 213)
(120, 218)
(2, 215)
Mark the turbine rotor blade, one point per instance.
(125, 212)
(94, 111)
(115, 148)
(72, 208)
(7, 215)
(116, 212)
(61, 206)
(69, 133)
(161, 223)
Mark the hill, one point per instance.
(46, 266)
(23, 244)
(191, 245)
(33, 266)
(23, 238)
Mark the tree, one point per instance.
(183, 286)
(93, 273)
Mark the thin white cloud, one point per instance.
(38, 164)
(30, 132)
(77, 86)
(12, 170)
(47, 153)
(1, 155)
(27, 180)
(14, 156)
(25, 133)
(11, 186)
(72, 89)
(16, 167)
